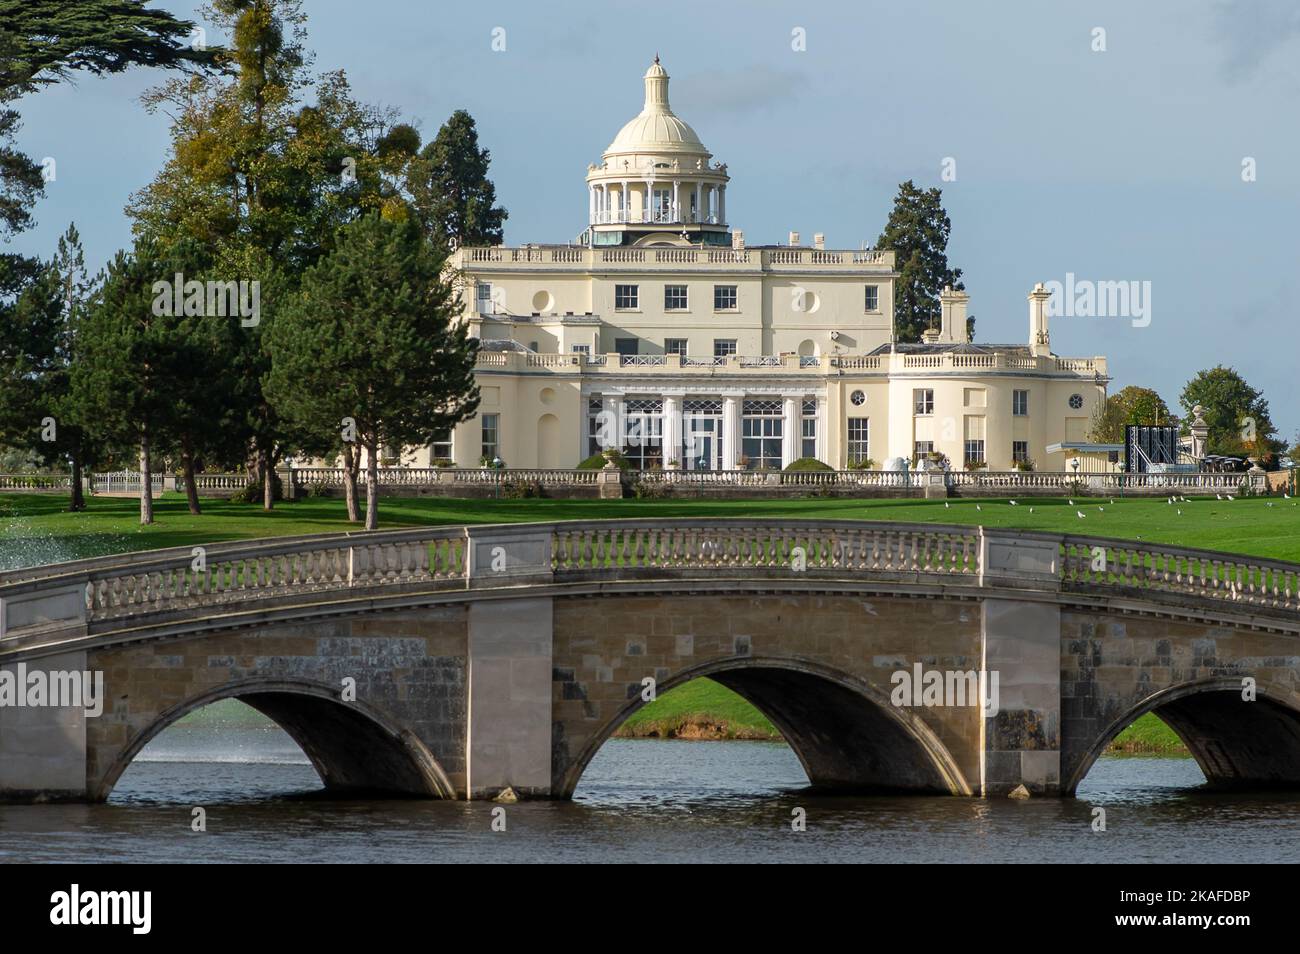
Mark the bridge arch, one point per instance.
(1236, 743)
(352, 746)
(844, 731)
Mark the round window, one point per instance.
(1076, 401)
(858, 398)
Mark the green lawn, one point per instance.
(701, 708)
(35, 528)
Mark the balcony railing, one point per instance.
(1080, 368)
(487, 259)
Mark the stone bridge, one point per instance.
(454, 662)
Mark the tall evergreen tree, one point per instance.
(372, 338)
(450, 191)
(125, 354)
(917, 232)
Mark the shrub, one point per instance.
(597, 461)
(866, 463)
(253, 492)
(651, 490)
(975, 465)
(443, 462)
(806, 464)
(522, 489)
(318, 489)
(1025, 466)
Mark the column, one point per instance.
(611, 426)
(722, 205)
(591, 205)
(677, 215)
(790, 431)
(647, 206)
(672, 428)
(701, 203)
(730, 430)
(627, 206)
(823, 438)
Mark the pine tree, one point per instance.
(372, 337)
(450, 191)
(124, 353)
(917, 232)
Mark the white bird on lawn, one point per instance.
(1183, 499)
(1230, 497)
(1286, 495)
(945, 505)
(1012, 502)
(1170, 501)
(1071, 503)
(1218, 496)
(1112, 500)
(1180, 512)
(1031, 509)
(978, 507)
(1101, 508)
(1080, 513)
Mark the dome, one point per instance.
(656, 128)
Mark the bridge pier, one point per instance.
(1021, 744)
(508, 741)
(43, 748)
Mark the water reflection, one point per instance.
(639, 801)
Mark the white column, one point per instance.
(677, 214)
(672, 448)
(823, 437)
(591, 205)
(611, 428)
(627, 204)
(790, 431)
(647, 208)
(722, 205)
(730, 431)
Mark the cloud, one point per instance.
(1251, 31)
(756, 88)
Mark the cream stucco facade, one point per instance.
(663, 333)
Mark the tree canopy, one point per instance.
(917, 232)
(1236, 413)
(1131, 405)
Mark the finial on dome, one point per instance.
(656, 58)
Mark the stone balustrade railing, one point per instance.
(865, 364)
(298, 571)
(741, 259)
(1098, 562)
(31, 482)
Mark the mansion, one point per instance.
(661, 333)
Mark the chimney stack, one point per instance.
(1040, 342)
(952, 316)
(738, 240)
(794, 239)
(819, 241)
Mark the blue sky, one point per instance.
(1116, 165)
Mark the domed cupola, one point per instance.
(656, 183)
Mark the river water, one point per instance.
(640, 801)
